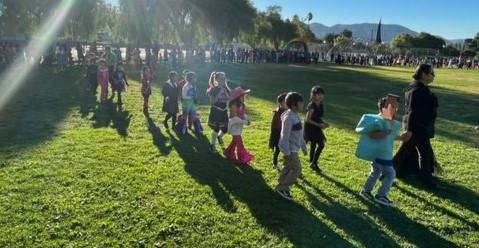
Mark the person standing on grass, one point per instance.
(276, 128)
(188, 96)
(145, 79)
(419, 119)
(236, 122)
(170, 94)
(314, 125)
(378, 132)
(119, 81)
(182, 83)
(290, 142)
(102, 78)
(219, 93)
(110, 61)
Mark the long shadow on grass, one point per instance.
(110, 114)
(395, 220)
(456, 193)
(159, 140)
(472, 224)
(246, 184)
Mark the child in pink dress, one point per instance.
(235, 127)
(103, 77)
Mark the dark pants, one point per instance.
(403, 163)
(275, 155)
(315, 152)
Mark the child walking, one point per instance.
(188, 96)
(314, 125)
(145, 86)
(378, 132)
(235, 127)
(219, 93)
(119, 81)
(276, 128)
(102, 78)
(170, 93)
(290, 142)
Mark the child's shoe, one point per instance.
(383, 200)
(315, 167)
(212, 148)
(366, 194)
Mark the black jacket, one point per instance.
(420, 110)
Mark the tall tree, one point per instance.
(303, 31)
(309, 17)
(378, 33)
(347, 33)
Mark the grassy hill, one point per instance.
(78, 173)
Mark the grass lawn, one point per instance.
(77, 173)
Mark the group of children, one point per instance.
(227, 115)
(223, 100)
(377, 134)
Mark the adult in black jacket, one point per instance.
(419, 118)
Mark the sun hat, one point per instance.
(237, 92)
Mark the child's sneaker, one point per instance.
(212, 148)
(383, 200)
(220, 141)
(366, 194)
(285, 194)
(315, 167)
(165, 123)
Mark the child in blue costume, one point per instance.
(378, 132)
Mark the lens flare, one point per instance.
(15, 75)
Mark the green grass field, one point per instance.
(76, 173)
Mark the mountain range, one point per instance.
(365, 31)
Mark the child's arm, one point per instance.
(285, 134)
(124, 78)
(404, 137)
(310, 121)
(379, 134)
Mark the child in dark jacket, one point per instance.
(276, 128)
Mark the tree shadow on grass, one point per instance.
(110, 114)
(397, 222)
(159, 140)
(246, 184)
(34, 111)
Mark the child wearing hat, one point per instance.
(235, 127)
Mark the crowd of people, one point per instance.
(401, 60)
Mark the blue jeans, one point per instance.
(376, 171)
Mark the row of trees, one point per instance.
(184, 22)
(405, 41)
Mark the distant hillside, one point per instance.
(363, 30)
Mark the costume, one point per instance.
(103, 81)
(235, 128)
(119, 83)
(218, 118)
(170, 94)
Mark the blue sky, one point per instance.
(449, 19)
